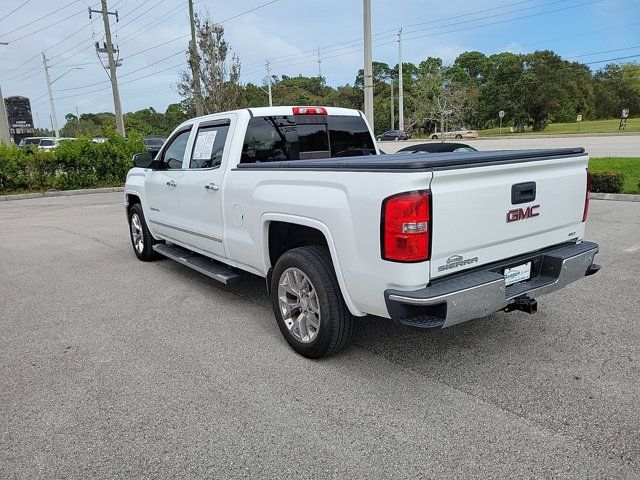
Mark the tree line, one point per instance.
(533, 89)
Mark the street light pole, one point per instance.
(400, 86)
(368, 65)
(269, 80)
(5, 134)
(54, 120)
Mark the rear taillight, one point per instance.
(406, 227)
(585, 213)
(309, 111)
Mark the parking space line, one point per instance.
(632, 249)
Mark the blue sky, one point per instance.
(288, 32)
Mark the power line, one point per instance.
(326, 48)
(15, 10)
(48, 15)
(443, 33)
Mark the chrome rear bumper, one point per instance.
(480, 292)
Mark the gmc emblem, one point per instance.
(522, 213)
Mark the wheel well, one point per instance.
(132, 200)
(284, 236)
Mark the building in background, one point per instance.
(19, 116)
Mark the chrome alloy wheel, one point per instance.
(299, 305)
(136, 233)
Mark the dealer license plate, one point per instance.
(517, 274)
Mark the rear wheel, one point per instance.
(434, 137)
(308, 304)
(141, 238)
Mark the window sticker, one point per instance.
(204, 145)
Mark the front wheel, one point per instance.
(459, 137)
(141, 238)
(308, 304)
(434, 137)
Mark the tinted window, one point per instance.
(208, 147)
(31, 141)
(313, 141)
(350, 137)
(174, 154)
(271, 139)
(46, 143)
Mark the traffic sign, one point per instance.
(501, 113)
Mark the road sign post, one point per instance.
(501, 115)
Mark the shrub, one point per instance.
(73, 164)
(607, 182)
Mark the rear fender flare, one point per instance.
(267, 218)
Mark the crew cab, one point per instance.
(300, 196)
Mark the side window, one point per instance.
(209, 146)
(270, 139)
(174, 153)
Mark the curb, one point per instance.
(60, 193)
(620, 197)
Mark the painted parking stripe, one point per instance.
(632, 249)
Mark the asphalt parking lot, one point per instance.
(113, 368)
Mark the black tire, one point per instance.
(434, 137)
(459, 137)
(147, 253)
(336, 322)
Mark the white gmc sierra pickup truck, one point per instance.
(302, 197)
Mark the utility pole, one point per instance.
(195, 70)
(112, 63)
(54, 119)
(392, 112)
(269, 80)
(5, 134)
(319, 64)
(400, 90)
(368, 66)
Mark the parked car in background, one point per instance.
(51, 143)
(30, 142)
(456, 132)
(153, 143)
(393, 135)
(437, 148)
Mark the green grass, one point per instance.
(630, 167)
(588, 126)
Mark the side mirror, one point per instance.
(143, 160)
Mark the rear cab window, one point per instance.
(302, 137)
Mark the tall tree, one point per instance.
(219, 71)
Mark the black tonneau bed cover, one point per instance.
(420, 161)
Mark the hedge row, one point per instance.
(73, 164)
(607, 182)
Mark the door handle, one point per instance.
(172, 183)
(212, 186)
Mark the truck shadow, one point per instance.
(377, 335)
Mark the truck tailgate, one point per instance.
(485, 213)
